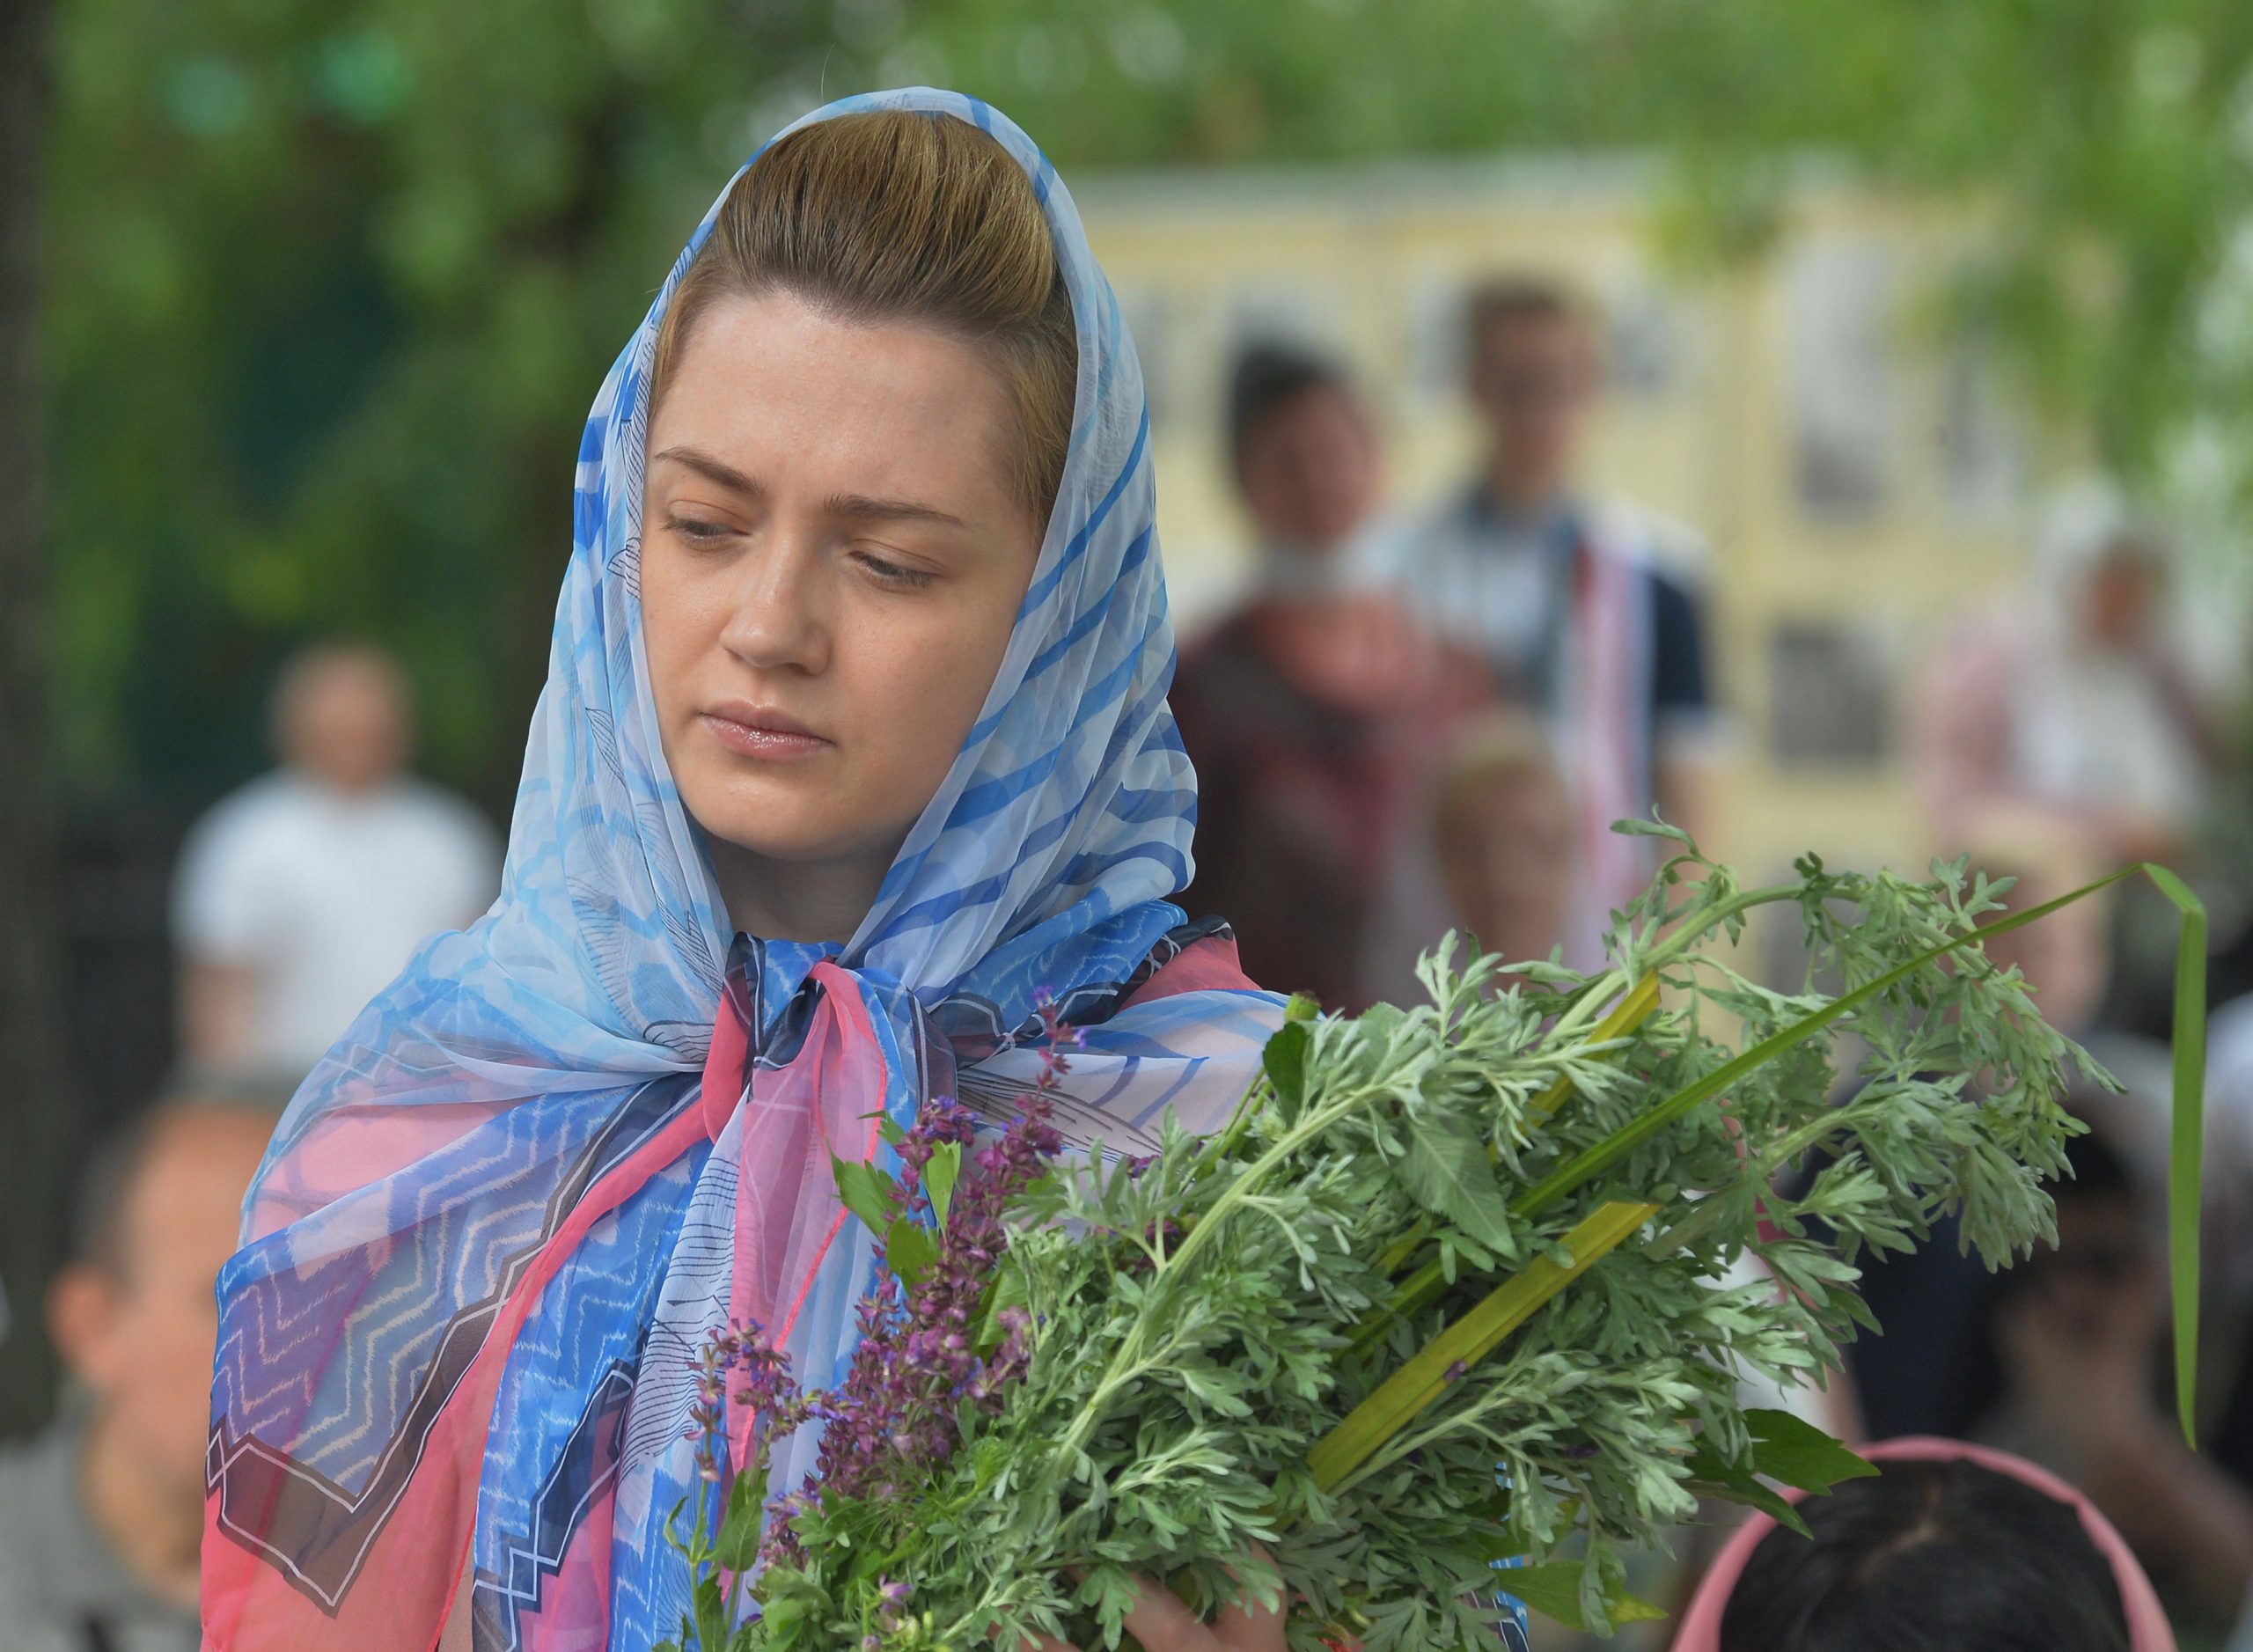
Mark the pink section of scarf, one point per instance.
(2148, 1627)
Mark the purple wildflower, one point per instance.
(767, 1390)
(893, 1421)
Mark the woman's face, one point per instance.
(832, 560)
(1309, 469)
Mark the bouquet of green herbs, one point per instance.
(1451, 1288)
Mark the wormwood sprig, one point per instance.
(1451, 1286)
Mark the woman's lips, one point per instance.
(749, 732)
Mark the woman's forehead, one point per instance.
(782, 391)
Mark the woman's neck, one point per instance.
(798, 900)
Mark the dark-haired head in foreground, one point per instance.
(1929, 1557)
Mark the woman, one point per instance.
(1952, 1548)
(2075, 699)
(854, 740)
(1316, 710)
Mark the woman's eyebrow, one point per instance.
(857, 507)
(711, 469)
(860, 508)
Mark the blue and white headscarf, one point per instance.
(499, 1218)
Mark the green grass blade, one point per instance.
(1424, 1378)
(2186, 1137)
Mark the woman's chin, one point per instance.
(803, 839)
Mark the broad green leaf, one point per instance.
(1425, 1377)
(1007, 1290)
(909, 1249)
(711, 1608)
(1447, 1169)
(738, 1542)
(1713, 1476)
(867, 1192)
(784, 1621)
(1285, 1062)
(940, 1176)
(1553, 1589)
(1788, 1449)
(1733, 1486)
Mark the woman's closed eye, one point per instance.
(893, 571)
(700, 530)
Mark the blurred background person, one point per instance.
(101, 1516)
(1569, 597)
(1502, 832)
(1315, 711)
(300, 896)
(1929, 1369)
(2074, 699)
(2072, 696)
(2078, 1382)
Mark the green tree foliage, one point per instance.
(332, 285)
(331, 289)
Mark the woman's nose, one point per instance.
(780, 619)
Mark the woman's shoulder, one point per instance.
(1199, 955)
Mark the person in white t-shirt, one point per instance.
(303, 895)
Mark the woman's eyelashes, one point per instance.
(699, 530)
(885, 568)
(890, 571)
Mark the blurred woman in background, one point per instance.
(1316, 712)
(2073, 698)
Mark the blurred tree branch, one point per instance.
(34, 1113)
(332, 287)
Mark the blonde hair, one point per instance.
(893, 216)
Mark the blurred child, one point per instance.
(1502, 833)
